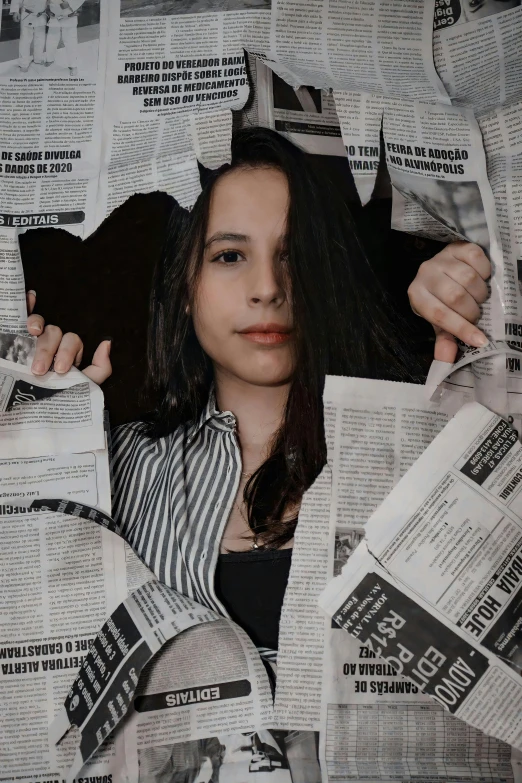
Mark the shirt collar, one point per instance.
(214, 418)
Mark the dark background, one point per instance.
(99, 288)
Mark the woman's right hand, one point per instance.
(65, 349)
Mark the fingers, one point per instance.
(69, 353)
(451, 294)
(448, 290)
(447, 320)
(35, 323)
(470, 254)
(30, 298)
(445, 346)
(101, 367)
(46, 347)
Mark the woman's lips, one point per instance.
(267, 334)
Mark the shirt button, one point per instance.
(229, 420)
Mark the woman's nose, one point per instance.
(265, 285)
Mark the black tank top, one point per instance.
(251, 586)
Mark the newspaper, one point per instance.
(479, 38)
(51, 414)
(137, 93)
(376, 47)
(372, 723)
(127, 97)
(360, 116)
(433, 588)
(306, 115)
(61, 577)
(441, 189)
(189, 695)
(502, 140)
(437, 164)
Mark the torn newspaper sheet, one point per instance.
(484, 38)
(360, 115)
(434, 587)
(377, 47)
(439, 173)
(180, 697)
(437, 163)
(51, 414)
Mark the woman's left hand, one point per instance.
(448, 291)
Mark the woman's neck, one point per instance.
(258, 410)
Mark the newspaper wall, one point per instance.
(135, 95)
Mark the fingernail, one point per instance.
(35, 327)
(109, 339)
(479, 340)
(60, 367)
(32, 291)
(38, 368)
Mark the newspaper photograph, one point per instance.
(433, 589)
(32, 30)
(306, 115)
(450, 12)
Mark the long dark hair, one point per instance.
(342, 326)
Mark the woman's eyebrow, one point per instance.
(226, 237)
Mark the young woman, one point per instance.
(261, 291)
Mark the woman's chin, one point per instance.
(265, 375)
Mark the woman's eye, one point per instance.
(228, 257)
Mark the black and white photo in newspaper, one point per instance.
(306, 115)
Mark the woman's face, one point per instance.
(241, 311)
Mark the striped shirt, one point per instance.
(172, 497)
